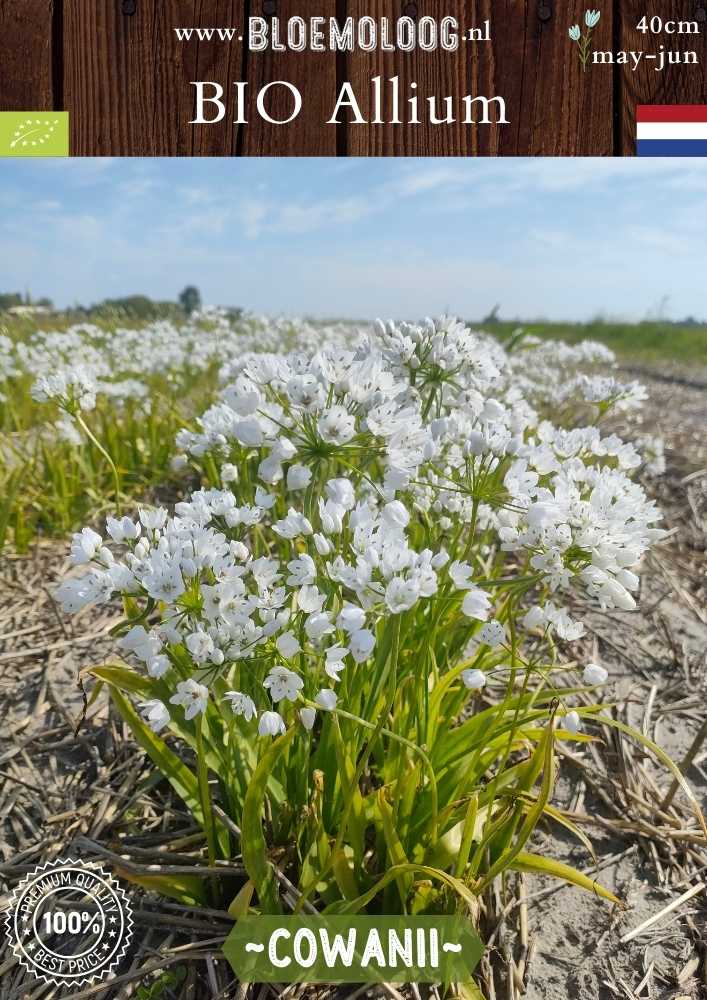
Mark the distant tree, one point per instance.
(134, 307)
(190, 299)
(10, 299)
(46, 302)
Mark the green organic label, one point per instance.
(341, 949)
(34, 133)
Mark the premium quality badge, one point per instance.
(69, 923)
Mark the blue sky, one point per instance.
(545, 238)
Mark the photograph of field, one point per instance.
(352, 561)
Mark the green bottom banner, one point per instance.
(342, 949)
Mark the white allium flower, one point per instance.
(153, 520)
(200, 645)
(534, 618)
(361, 643)
(327, 699)
(461, 573)
(248, 432)
(72, 388)
(241, 704)
(476, 604)
(318, 625)
(341, 492)
(336, 425)
(293, 525)
(322, 544)
(283, 684)
(395, 515)
(594, 674)
(270, 470)
(271, 724)
(192, 696)
(229, 473)
(145, 645)
(123, 529)
(351, 618)
(298, 477)
(475, 680)
(155, 713)
(571, 722)
(307, 717)
(492, 633)
(287, 645)
(303, 571)
(264, 499)
(401, 594)
(158, 666)
(85, 545)
(335, 661)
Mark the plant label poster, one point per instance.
(353, 500)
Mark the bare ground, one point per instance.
(93, 795)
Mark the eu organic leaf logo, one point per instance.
(34, 133)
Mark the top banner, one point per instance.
(354, 77)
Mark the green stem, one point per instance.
(367, 750)
(204, 791)
(94, 440)
(415, 749)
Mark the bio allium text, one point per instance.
(383, 102)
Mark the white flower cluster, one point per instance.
(72, 388)
(221, 605)
(437, 409)
(120, 363)
(409, 469)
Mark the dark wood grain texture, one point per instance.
(314, 75)
(128, 79)
(683, 84)
(26, 61)
(554, 109)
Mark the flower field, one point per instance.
(357, 590)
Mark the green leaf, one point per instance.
(396, 851)
(344, 874)
(535, 864)
(467, 991)
(188, 889)
(182, 780)
(355, 905)
(124, 678)
(253, 846)
(545, 752)
(240, 903)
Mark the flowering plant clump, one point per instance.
(353, 625)
(116, 397)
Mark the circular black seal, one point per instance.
(69, 923)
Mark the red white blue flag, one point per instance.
(671, 130)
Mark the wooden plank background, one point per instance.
(118, 67)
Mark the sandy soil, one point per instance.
(657, 659)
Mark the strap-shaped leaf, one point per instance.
(457, 886)
(535, 864)
(253, 846)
